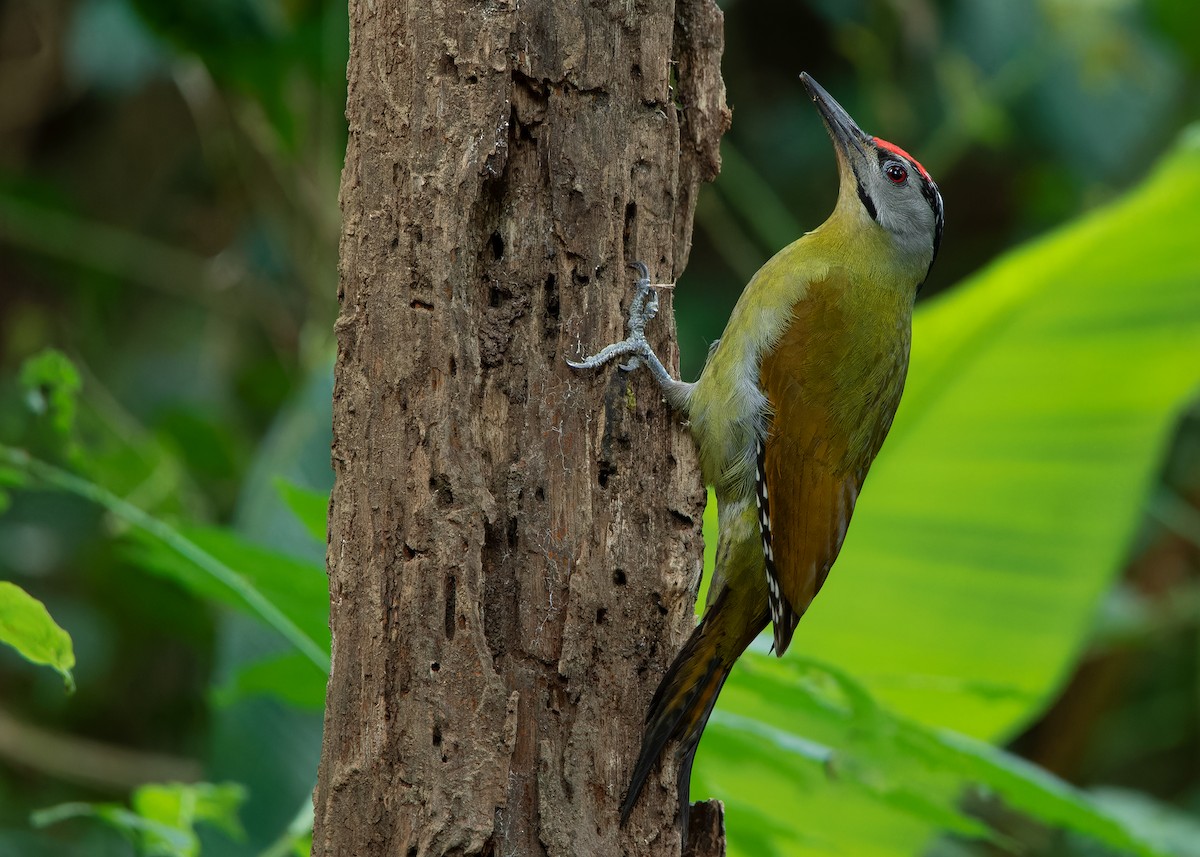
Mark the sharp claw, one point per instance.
(642, 309)
(651, 308)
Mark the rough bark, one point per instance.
(514, 546)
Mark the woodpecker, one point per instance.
(789, 411)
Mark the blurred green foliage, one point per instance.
(168, 220)
(162, 822)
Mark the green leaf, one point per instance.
(767, 787)
(874, 779)
(296, 841)
(52, 387)
(164, 817)
(153, 838)
(290, 677)
(310, 507)
(181, 806)
(1169, 827)
(302, 845)
(1039, 399)
(25, 624)
(297, 591)
(11, 477)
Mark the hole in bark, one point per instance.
(540, 494)
(435, 667)
(501, 597)
(552, 303)
(417, 303)
(418, 235)
(619, 577)
(453, 367)
(406, 551)
(471, 78)
(495, 297)
(439, 484)
(395, 241)
(607, 469)
(658, 603)
(601, 616)
(451, 598)
(437, 735)
(684, 521)
(630, 216)
(497, 245)
(511, 532)
(412, 851)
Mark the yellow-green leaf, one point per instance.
(25, 624)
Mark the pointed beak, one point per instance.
(848, 138)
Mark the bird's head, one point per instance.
(882, 183)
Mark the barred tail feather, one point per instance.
(686, 695)
(681, 714)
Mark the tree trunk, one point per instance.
(514, 546)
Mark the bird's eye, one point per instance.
(896, 173)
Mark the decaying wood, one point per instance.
(706, 830)
(514, 547)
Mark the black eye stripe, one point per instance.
(865, 199)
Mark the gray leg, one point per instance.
(641, 310)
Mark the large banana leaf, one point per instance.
(810, 764)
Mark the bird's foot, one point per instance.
(642, 309)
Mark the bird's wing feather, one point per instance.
(806, 529)
(815, 456)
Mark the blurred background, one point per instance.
(169, 222)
